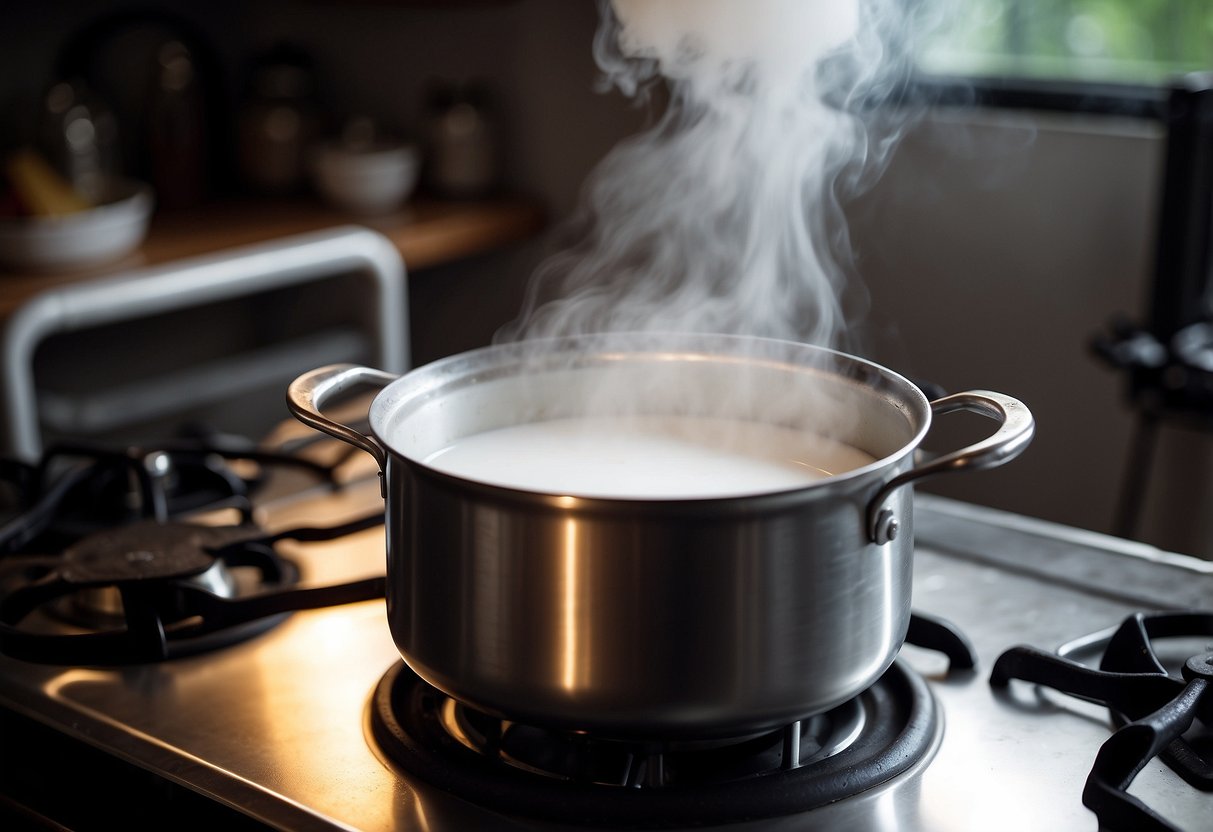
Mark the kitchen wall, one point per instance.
(376, 58)
(992, 249)
(534, 58)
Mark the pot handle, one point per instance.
(308, 394)
(1015, 431)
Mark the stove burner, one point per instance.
(166, 611)
(1152, 708)
(144, 551)
(100, 563)
(574, 756)
(575, 777)
(142, 586)
(76, 490)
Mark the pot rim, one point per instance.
(423, 381)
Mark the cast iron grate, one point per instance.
(1154, 711)
(165, 612)
(98, 524)
(75, 490)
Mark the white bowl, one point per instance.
(86, 238)
(373, 180)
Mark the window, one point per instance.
(1141, 42)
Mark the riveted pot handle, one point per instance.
(307, 395)
(1015, 431)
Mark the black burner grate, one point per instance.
(1152, 708)
(573, 777)
(165, 613)
(140, 586)
(606, 782)
(75, 490)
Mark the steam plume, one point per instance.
(724, 216)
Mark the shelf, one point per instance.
(427, 232)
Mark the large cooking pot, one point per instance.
(716, 616)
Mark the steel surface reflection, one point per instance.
(570, 633)
(55, 687)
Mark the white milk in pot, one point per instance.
(647, 457)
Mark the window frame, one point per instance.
(1145, 101)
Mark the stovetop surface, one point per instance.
(277, 726)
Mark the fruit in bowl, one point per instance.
(46, 226)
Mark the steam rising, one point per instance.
(724, 216)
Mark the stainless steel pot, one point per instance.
(647, 618)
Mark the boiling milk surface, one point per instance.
(647, 457)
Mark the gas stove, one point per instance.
(309, 720)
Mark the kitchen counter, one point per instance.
(427, 233)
